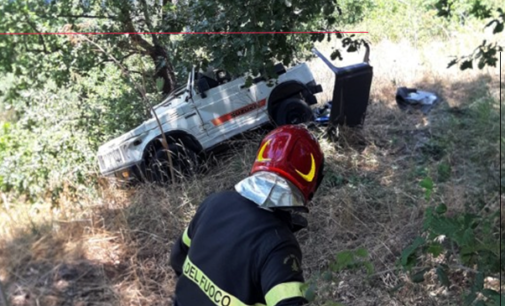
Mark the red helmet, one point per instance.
(293, 153)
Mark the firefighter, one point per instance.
(240, 249)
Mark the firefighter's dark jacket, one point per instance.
(234, 253)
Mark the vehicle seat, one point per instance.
(212, 83)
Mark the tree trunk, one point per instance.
(163, 68)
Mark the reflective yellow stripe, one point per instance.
(217, 295)
(185, 238)
(283, 291)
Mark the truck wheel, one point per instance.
(184, 161)
(293, 111)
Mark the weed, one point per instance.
(444, 172)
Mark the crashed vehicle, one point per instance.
(203, 114)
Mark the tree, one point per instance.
(486, 54)
(66, 95)
(255, 53)
(235, 53)
(37, 16)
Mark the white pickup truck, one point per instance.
(203, 114)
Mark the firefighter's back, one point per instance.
(231, 245)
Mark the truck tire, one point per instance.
(293, 111)
(184, 161)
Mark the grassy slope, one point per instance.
(114, 250)
(372, 196)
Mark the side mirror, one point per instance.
(203, 86)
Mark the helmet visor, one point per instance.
(270, 190)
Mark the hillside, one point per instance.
(113, 247)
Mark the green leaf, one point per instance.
(352, 48)
(441, 209)
(470, 220)
(479, 281)
(419, 276)
(426, 183)
(435, 249)
(452, 63)
(344, 259)
(369, 267)
(248, 81)
(470, 298)
(498, 28)
(445, 226)
(466, 65)
(444, 172)
(407, 252)
(479, 303)
(335, 54)
(468, 238)
(428, 218)
(442, 276)
(481, 63)
(310, 293)
(493, 295)
(361, 252)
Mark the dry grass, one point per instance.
(115, 250)
(110, 251)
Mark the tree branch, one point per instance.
(120, 60)
(137, 72)
(41, 50)
(41, 39)
(89, 16)
(128, 55)
(136, 38)
(148, 22)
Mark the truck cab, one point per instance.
(205, 112)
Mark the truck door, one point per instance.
(225, 110)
